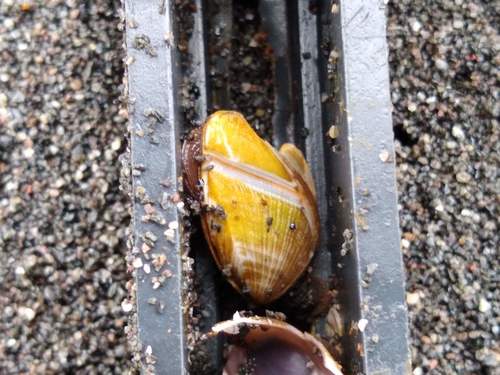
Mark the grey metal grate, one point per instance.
(330, 70)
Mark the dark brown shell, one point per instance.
(190, 156)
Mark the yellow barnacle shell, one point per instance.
(262, 222)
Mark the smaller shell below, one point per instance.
(265, 346)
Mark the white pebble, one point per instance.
(78, 175)
(412, 298)
(458, 132)
(416, 26)
(116, 144)
(26, 313)
(170, 234)
(53, 149)
(3, 100)
(484, 305)
(362, 324)
(463, 177)
(439, 206)
(28, 153)
(441, 64)
(127, 306)
(11, 186)
(137, 263)
(467, 213)
(451, 144)
(371, 268)
(384, 156)
(8, 23)
(147, 268)
(431, 100)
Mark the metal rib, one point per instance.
(153, 112)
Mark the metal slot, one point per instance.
(329, 69)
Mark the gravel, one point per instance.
(63, 218)
(444, 66)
